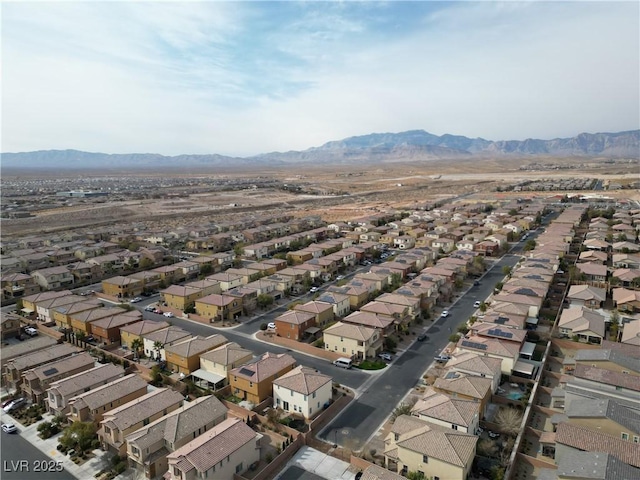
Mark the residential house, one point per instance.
(296, 325)
(605, 416)
(154, 342)
(302, 391)
(136, 331)
(506, 351)
(592, 272)
(626, 300)
(107, 330)
(586, 296)
(466, 387)
(215, 365)
(588, 325)
(92, 405)
(81, 322)
(223, 452)
(30, 302)
(576, 464)
(453, 413)
(385, 324)
(9, 326)
(322, 312)
(122, 287)
(227, 280)
(338, 301)
(63, 314)
(18, 285)
(184, 356)
(414, 445)
(119, 422)
(353, 341)
(85, 273)
(61, 391)
(36, 381)
(254, 381)
(45, 308)
(217, 307)
(148, 447)
(182, 297)
(14, 368)
(411, 303)
(358, 294)
(478, 365)
(631, 333)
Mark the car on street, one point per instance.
(444, 314)
(14, 405)
(385, 356)
(313, 289)
(168, 314)
(340, 277)
(476, 303)
(90, 339)
(493, 434)
(476, 283)
(32, 332)
(135, 300)
(422, 337)
(158, 311)
(271, 325)
(441, 358)
(9, 428)
(149, 308)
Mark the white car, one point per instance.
(135, 300)
(385, 356)
(476, 303)
(9, 428)
(340, 277)
(32, 332)
(444, 314)
(271, 326)
(313, 289)
(168, 314)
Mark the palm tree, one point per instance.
(136, 345)
(157, 346)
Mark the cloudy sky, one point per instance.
(242, 78)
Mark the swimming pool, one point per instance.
(515, 395)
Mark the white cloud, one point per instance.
(231, 78)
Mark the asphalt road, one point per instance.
(20, 460)
(382, 393)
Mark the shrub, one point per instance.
(263, 327)
(269, 458)
(120, 467)
(454, 337)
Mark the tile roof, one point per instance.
(374, 472)
(109, 392)
(314, 307)
(355, 332)
(227, 354)
(610, 355)
(601, 408)
(441, 407)
(296, 317)
(368, 319)
(469, 385)
(595, 466)
(127, 415)
(213, 446)
(580, 319)
(447, 445)
(266, 366)
(57, 367)
(303, 380)
(491, 345)
(589, 440)
(116, 321)
(196, 345)
(608, 377)
(87, 379)
(166, 335)
(144, 326)
(180, 423)
(471, 362)
(40, 357)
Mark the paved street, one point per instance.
(21, 459)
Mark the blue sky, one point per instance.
(242, 78)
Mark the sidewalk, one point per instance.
(318, 463)
(85, 471)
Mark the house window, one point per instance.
(341, 339)
(305, 398)
(251, 384)
(313, 395)
(135, 451)
(625, 436)
(396, 436)
(239, 468)
(176, 471)
(425, 459)
(145, 421)
(636, 439)
(618, 387)
(454, 427)
(344, 350)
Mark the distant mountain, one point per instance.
(414, 145)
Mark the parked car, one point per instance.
(422, 337)
(32, 332)
(135, 300)
(476, 303)
(444, 314)
(149, 308)
(385, 356)
(501, 391)
(313, 289)
(158, 311)
(340, 277)
(476, 283)
(441, 358)
(168, 314)
(493, 434)
(271, 325)
(9, 428)
(16, 404)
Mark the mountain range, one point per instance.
(413, 145)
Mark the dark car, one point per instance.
(422, 337)
(476, 283)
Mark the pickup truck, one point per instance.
(441, 358)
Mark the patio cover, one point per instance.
(27, 310)
(532, 320)
(527, 349)
(208, 376)
(312, 330)
(523, 367)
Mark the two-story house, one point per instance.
(254, 381)
(302, 391)
(215, 365)
(184, 356)
(353, 341)
(454, 413)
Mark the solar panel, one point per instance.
(247, 372)
(500, 333)
(50, 371)
(477, 346)
(501, 320)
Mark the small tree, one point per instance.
(509, 420)
(506, 270)
(415, 476)
(79, 436)
(157, 346)
(264, 300)
(136, 346)
(402, 409)
(483, 307)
